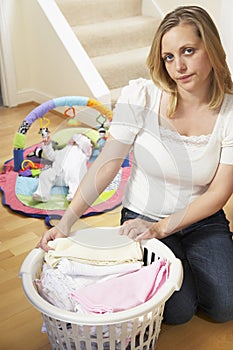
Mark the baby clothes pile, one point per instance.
(87, 280)
(83, 279)
(69, 267)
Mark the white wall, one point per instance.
(21, 31)
(212, 6)
(226, 30)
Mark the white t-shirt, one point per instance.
(168, 170)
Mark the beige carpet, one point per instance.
(115, 35)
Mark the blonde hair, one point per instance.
(221, 81)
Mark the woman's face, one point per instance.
(185, 58)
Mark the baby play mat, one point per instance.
(19, 176)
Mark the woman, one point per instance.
(179, 127)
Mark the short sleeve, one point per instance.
(129, 111)
(227, 142)
(227, 150)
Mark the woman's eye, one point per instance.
(189, 51)
(168, 58)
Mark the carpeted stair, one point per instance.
(115, 35)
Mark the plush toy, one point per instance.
(69, 165)
(103, 138)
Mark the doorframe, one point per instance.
(7, 73)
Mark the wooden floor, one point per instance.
(20, 323)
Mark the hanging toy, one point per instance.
(44, 130)
(102, 132)
(45, 134)
(70, 114)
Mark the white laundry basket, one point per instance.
(134, 329)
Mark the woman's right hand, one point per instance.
(48, 236)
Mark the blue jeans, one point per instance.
(206, 251)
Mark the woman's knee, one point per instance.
(179, 309)
(217, 301)
(221, 313)
(178, 317)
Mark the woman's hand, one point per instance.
(49, 235)
(139, 229)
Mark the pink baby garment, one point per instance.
(123, 292)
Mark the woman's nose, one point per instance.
(180, 64)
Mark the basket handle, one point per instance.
(30, 265)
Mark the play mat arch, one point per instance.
(40, 111)
(19, 176)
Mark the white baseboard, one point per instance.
(32, 95)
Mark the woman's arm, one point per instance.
(207, 204)
(98, 177)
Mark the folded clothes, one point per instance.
(123, 292)
(70, 249)
(75, 268)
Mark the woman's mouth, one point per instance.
(185, 78)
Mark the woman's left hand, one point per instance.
(139, 229)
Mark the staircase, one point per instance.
(115, 35)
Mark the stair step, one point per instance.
(115, 94)
(79, 12)
(118, 68)
(104, 38)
